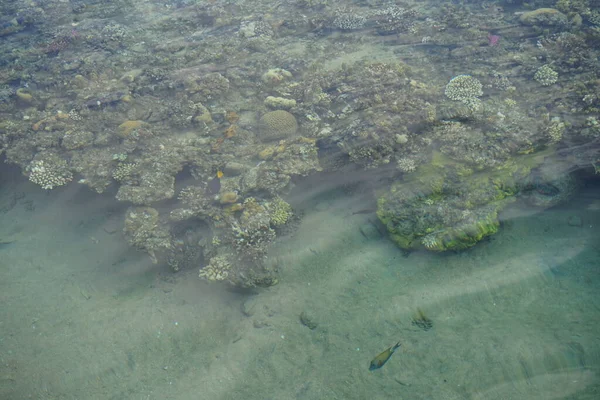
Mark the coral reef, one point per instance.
(448, 206)
(278, 124)
(217, 269)
(144, 230)
(275, 76)
(555, 130)
(251, 233)
(49, 171)
(406, 165)
(189, 241)
(280, 211)
(204, 118)
(227, 268)
(549, 186)
(466, 89)
(546, 75)
(279, 102)
(394, 19)
(77, 139)
(125, 172)
(348, 21)
(543, 17)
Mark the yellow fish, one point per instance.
(382, 358)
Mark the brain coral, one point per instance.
(277, 124)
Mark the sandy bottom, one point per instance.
(85, 317)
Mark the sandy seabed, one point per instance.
(83, 316)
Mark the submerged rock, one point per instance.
(543, 17)
(545, 190)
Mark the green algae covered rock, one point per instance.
(447, 206)
(543, 17)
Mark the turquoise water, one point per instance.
(85, 316)
(429, 178)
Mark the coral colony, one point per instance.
(493, 40)
(243, 112)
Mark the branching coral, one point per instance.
(49, 172)
(217, 270)
(546, 75)
(280, 211)
(466, 89)
(124, 172)
(252, 234)
(555, 130)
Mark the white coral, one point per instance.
(216, 270)
(406, 165)
(430, 241)
(466, 89)
(49, 176)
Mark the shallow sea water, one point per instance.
(84, 316)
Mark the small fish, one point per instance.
(6, 243)
(382, 358)
(365, 211)
(214, 185)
